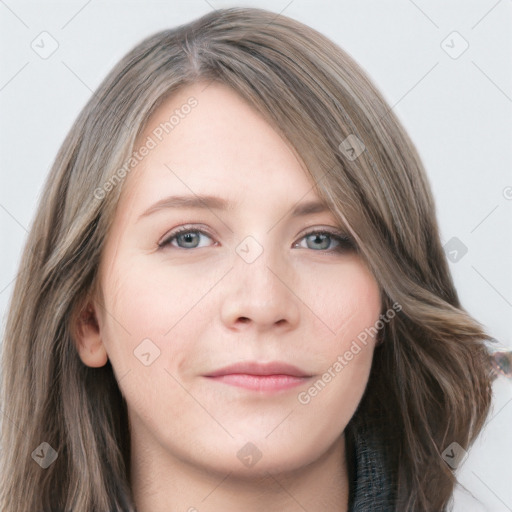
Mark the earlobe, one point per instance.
(88, 339)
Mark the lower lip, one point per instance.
(260, 382)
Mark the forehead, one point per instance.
(206, 139)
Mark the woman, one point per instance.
(234, 294)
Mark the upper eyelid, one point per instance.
(180, 230)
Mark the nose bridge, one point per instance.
(257, 265)
(258, 290)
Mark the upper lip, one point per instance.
(257, 368)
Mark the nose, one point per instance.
(260, 295)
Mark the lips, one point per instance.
(261, 377)
(260, 369)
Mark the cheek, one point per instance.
(351, 310)
(150, 324)
(160, 312)
(348, 300)
(148, 299)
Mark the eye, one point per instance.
(189, 238)
(186, 237)
(323, 239)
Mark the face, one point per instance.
(191, 288)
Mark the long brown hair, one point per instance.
(429, 384)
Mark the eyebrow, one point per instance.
(192, 202)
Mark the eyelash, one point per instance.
(345, 242)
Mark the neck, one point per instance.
(161, 483)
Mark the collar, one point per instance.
(370, 473)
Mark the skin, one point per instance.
(300, 301)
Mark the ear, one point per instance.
(88, 338)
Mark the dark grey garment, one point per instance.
(370, 483)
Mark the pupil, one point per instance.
(319, 239)
(188, 238)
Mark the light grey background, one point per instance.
(457, 109)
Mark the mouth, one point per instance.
(263, 377)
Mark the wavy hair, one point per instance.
(429, 384)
